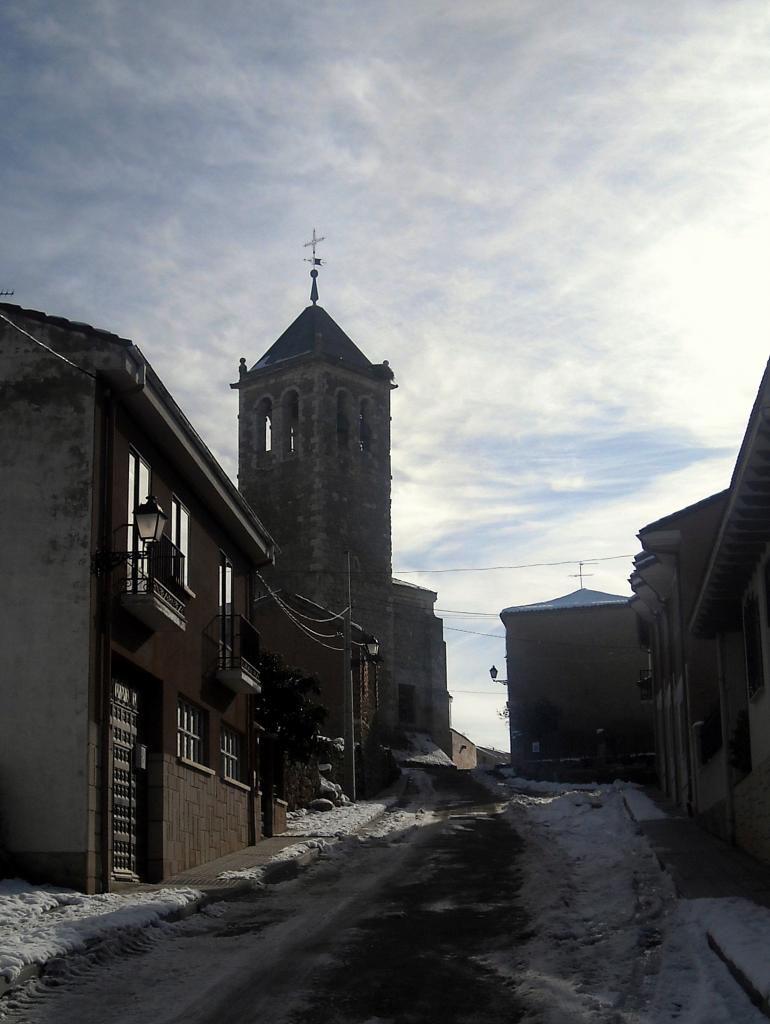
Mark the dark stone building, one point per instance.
(314, 460)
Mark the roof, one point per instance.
(314, 331)
(674, 519)
(744, 532)
(582, 598)
(139, 388)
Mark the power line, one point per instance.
(47, 348)
(456, 629)
(481, 693)
(528, 565)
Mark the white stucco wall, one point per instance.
(46, 468)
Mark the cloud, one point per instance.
(553, 220)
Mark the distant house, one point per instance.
(127, 747)
(463, 750)
(574, 666)
(488, 757)
(706, 592)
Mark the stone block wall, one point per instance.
(752, 812)
(194, 816)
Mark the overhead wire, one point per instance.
(48, 349)
(315, 636)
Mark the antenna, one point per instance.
(580, 574)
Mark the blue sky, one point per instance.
(553, 218)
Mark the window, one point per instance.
(138, 491)
(190, 731)
(226, 616)
(265, 426)
(364, 431)
(180, 536)
(343, 418)
(231, 749)
(753, 645)
(291, 422)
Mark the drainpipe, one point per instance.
(724, 719)
(104, 660)
(104, 624)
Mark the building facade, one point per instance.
(127, 747)
(720, 733)
(420, 664)
(314, 443)
(574, 666)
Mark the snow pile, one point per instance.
(40, 922)
(640, 807)
(422, 750)
(340, 821)
(611, 941)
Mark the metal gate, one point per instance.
(127, 782)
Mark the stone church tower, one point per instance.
(314, 463)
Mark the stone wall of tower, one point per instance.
(320, 481)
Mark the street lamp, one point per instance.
(372, 645)
(493, 673)
(149, 521)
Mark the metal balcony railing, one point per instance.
(158, 570)
(238, 644)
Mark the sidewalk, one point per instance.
(40, 925)
(704, 867)
(206, 877)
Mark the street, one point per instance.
(395, 930)
(475, 898)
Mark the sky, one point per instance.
(551, 216)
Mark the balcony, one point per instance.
(149, 591)
(238, 645)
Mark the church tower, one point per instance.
(314, 463)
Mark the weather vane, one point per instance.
(317, 262)
(580, 574)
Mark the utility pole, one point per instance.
(348, 703)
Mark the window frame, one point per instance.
(136, 463)
(231, 749)
(180, 513)
(191, 727)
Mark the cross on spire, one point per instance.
(316, 262)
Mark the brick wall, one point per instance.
(194, 816)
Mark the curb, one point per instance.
(273, 873)
(758, 1000)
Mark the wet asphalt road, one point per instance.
(395, 931)
(416, 955)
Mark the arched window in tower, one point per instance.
(265, 426)
(364, 426)
(291, 422)
(343, 418)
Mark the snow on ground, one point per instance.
(611, 942)
(421, 750)
(640, 805)
(41, 922)
(338, 822)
